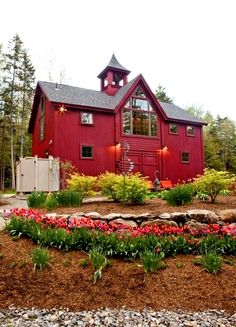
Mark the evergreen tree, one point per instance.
(15, 97)
(161, 95)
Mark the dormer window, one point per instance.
(139, 117)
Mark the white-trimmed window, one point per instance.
(173, 128)
(185, 157)
(190, 130)
(86, 152)
(87, 118)
(139, 118)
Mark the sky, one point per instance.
(187, 46)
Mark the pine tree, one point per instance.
(161, 95)
(15, 97)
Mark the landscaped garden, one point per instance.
(84, 263)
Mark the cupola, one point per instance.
(113, 77)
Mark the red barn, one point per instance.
(121, 127)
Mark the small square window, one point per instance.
(86, 118)
(190, 130)
(173, 129)
(185, 157)
(86, 151)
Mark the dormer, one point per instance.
(113, 77)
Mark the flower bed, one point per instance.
(117, 239)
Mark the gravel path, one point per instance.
(13, 317)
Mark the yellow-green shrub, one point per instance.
(212, 183)
(83, 184)
(108, 183)
(132, 188)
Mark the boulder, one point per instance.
(164, 215)
(227, 216)
(178, 217)
(2, 224)
(203, 216)
(93, 215)
(130, 223)
(195, 224)
(146, 216)
(78, 214)
(128, 216)
(159, 222)
(111, 216)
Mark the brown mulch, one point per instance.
(66, 284)
(123, 283)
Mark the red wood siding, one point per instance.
(71, 135)
(40, 147)
(173, 168)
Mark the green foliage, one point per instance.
(151, 260)
(40, 258)
(109, 183)
(36, 199)
(69, 198)
(50, 202)
(161, 95)
(211, 262)
(116, 246)
(132, 188)
(180, 195)
(83, 184)
(99, 262)
(212, 182)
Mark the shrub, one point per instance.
(212, 183)
(51, 201)
(108, 183)
(133, 188)
(69, 198)
(180, 195)
(211, 262)
(66, 170)
(151, 260)
(36, 199)
(40, 258)
(83, 184)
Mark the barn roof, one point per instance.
(83, 97)
(72, 95)
(174, 112)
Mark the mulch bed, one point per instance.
(123, 283)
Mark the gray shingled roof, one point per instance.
(174, 112)
(83, 97)
(114, 63)
(90, 98)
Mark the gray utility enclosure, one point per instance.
(37, 174)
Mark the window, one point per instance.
(173, 129)
(86, 151)
(138, 116)
(190, 131)
(86, 118)
(42, 119)
(185, 157)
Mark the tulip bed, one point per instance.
(120, 240)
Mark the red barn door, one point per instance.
(145, 163)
